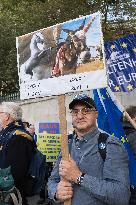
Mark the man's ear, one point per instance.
(96, 113)
(7, 116)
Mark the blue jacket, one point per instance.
(105, 183)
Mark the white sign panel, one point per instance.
(63, 58)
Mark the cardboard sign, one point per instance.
(63, 58)
(49, 140)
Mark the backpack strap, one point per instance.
(102, 145)
(17, 200)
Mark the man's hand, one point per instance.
(69, 170)
(64, 191)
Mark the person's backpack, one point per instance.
(37, 167)
(9, 195)
(37, 173)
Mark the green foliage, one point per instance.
(18, 17)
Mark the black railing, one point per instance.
(10, 97)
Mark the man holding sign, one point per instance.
(88, 178)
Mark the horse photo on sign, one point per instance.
(39, 54)
(68, 53)
(74, 52)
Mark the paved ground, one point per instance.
(33, 200)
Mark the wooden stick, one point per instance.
(63, 130)
(129, 119)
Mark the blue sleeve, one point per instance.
(54, 179)
(113, 188)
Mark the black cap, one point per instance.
(82, 98)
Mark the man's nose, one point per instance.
(80, 114)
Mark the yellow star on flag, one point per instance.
(103, 97)
(134, 49)
(124, 45)
(123, 139)
(117, 88)
(130, 87)
(113, 46)
(107, 94)
(112, 135)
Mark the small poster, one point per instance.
(49, 140)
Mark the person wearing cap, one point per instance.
(86, 178)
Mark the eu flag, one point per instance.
(121, 63)
(109, 120)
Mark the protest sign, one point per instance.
(49, 140)
(63, 58)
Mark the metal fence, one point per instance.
(10, 97)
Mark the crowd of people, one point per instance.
(85, 178)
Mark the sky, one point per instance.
(93, 35)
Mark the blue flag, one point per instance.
(121, 63)
(109, 120)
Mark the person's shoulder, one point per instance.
(111, 139)
(114, 140)
(22, 134)
(115, 146)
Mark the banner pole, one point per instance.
(129, 119)
(121, 107)
(63, 130)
